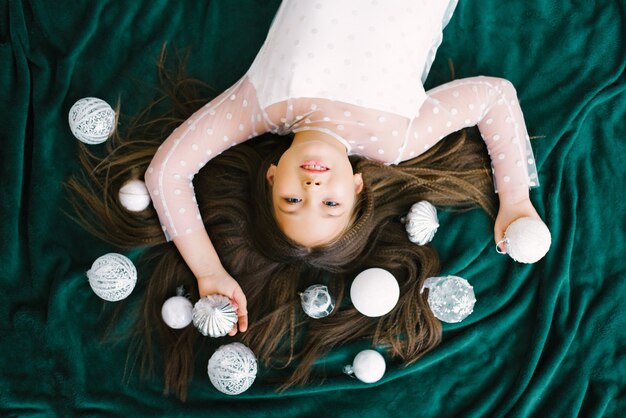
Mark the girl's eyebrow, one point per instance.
(295, 212)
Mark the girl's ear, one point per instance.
(358, 183)
(270, 174)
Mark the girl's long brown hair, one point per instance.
(235, 203)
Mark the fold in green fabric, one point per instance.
(544, 340)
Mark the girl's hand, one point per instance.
(221, 282)
(511, 210)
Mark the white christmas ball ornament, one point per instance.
(317, 302)
(421, 222)
(176, 312)
(527, 240)
(368, 366)
(451, 298)
(91, 120)
(374, 292)
(134, 195)
(232, 368)
(214, 316)
(112, 277)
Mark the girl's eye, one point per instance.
(331, 203)
(293, 200)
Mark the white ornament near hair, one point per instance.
(91, 120)
(317, 302)
(421, 222)
(526, 240)
(214, 315)
(374, 292)
(177, 310)
(134, 195)
(368, 366)
(232, 368)
(451, 298)
(112, 277)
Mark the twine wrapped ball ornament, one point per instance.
(232, 368)
(177, 311)
(451, 298)
(112, 277)
(421, 222)
(134, 195)
(317, 302)
(526, 240)
(368, 366)
(374, 292)
(214, 315)
(91, 120)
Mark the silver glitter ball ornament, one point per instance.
(421, 222)
(112, 277)
(214, 316)
(451, 298)
(317, 302)
(91, 120)
(232, 368)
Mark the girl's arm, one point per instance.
(492, 104)
(233, 117)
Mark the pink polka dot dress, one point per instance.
(352, 69)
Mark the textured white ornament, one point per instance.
(527, 240)
(451, 298)
(177, 312)
(112, 277)
(232, 368)
(214, 315)
(368, 366)
(91, 120)
(134, 195)
(421, 222)
(317, 302)
(374, 292)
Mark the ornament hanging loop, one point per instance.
(502, 241)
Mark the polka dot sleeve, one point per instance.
(492, 104)
(233, 117)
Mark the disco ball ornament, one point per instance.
(134, 195)
(92, 120)
(527, 240)
(374, 292)
(421, 222)
(214, 315)
(177, 312)
(317, 302)
(232, 368)
(112, 277)
(368, 366)
(451, 298)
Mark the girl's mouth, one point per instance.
(314, 166)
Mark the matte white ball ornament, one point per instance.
(232, 368)
(317, 302)
(527, 240)
(368, 366)
(177, 311)
(374, 292)
(214, 315)
(91, 120)
(134, 195)
(112, 277)
(421, 222)
(451, 298)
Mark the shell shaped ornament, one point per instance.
(92, 120)
(527, 240)
(232, 368)
(214, 316)
(451, 298)
(421, 222)
(112, 277)
(317, 302)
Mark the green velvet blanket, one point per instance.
(546, 340)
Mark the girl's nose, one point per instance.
(310, 183)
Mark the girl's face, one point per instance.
(313, 189)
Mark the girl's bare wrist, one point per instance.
(513, 197)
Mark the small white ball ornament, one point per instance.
(214, 315)
(91, 120)
(317, 302)
(421, 222)
(232, 368)
(134, 195)
(451, 298)
(368, 366)
(112, 277)
(177, 311)
(374, 292)
(527, 240)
